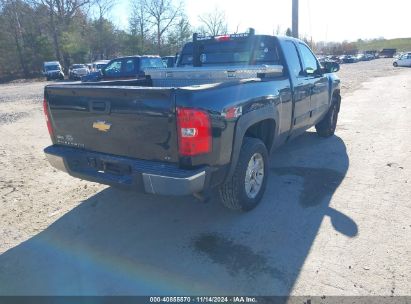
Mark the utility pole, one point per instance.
(295, 19)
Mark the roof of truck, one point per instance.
(138, 56)
(51, 62)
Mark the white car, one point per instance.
(403, 60)
(76, 71)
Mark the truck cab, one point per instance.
(123, 68)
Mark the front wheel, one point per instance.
(395, 64)
(326, 127)
(244, 190)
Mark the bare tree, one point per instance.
(163, 14)
(12, 13)
(213, 23)
(179, 35)
(278, 30)
(103, 7)
(61, 13)
(139, 22)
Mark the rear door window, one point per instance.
(154, 62)
(129, 66)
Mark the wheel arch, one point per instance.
(262, 124)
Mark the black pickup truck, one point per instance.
(211, 122)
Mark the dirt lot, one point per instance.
(334, 221)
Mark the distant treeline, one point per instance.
(79, 31)
(349, 48)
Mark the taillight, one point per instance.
(46, 113)
(194, 131)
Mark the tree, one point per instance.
(213, 23)
(179, 35)
(278, 30)
(163, 15)
(103, 7)
(139, 24)
(23, 41)
(61, 14)
(12, 10)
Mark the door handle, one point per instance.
(99, 106)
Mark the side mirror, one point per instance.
(307, 72)
(330, 67)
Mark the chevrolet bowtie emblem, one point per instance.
(101, 126)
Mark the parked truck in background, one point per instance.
(122, 68)
(209, 123)
(53, 70)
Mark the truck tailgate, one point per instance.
(135, 122)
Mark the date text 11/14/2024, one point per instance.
(203, 299)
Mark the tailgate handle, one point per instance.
(100, 107)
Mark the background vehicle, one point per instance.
(387, 53)
(403, 60)
(181, 131)
(349, 59)
(334, 58)
(122, 68)
(76, 71)
(99, 65)
(324, 59)
(53, 70)
(373, 54)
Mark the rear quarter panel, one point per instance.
(258, 99)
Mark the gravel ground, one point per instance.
(334, 221)
(353, 75)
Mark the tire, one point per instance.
(326, 127)
(233, 193)
(395, 64)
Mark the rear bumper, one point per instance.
(141, 175)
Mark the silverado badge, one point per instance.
(101, 126)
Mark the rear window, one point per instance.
(52, 67)
(78, 66)
(258, 50)
(151, 63)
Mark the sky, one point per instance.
(323, 20)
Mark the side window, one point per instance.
(292, 58)
(129, 66)
(151, 62)
(309, 60)
(114, 68)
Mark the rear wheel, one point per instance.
(326, 127)
(244, 190)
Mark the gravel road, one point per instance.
(334, 220)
